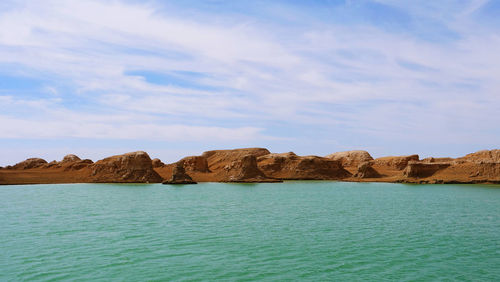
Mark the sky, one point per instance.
(176, 78)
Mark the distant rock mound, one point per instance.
(70, 159)
(157, 163)
(366, 170)
(179, 175)
(245, 169)
(196, 163)
(136, 167)
(289, 166)
(30, 163)
(351, 158)
(398, 162)
(77, 165)
(218, 159)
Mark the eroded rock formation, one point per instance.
(366, 170)
(196, 163)
(351, 158)
(157, 163)
(258, 165)
(30, 163)
(136, 167)
(398, 163)
(289, 166)
(245, 169)
(179, 175)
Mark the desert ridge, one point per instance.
(255, 165)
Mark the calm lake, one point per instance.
(288, 231)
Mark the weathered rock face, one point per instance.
(196, 163)
(351, 158)
(136, 167)
(70, 159)
(179, 175)
(218, 159)
(484, 156)
(30, 163)
(289, 166)
(77, 165)
(398, 163)
(245, 170)
(365, 170)
(437, 160)
(157, 163)
(421, 170)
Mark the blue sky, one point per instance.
(176, 78)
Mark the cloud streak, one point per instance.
(122, 70)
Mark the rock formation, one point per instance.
(289, 166)
(245, 169)
(421, 169)
(157, 163)
(258, 165)
(136, 167)
(30, 163)
(351, 158)
(179, 175)
(70, 159)
(77, 165)
(366, 170)
(196, 163)
(398, 163)
(217, 159)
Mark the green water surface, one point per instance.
(312, 231)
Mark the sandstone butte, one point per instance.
(258, 165)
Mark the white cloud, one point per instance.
(338, 77)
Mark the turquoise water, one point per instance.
(290, 231)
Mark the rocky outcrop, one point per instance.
(245, 169)
(218, 159)
(70, 159)
(30, 163)
(77, 165)
(483, 156)
(136, 167)
(398, 163)
(179, 175)
(351, 158)
(422, 170)
(366, 170)
(196, 163)
(157, 163)
(289, 166)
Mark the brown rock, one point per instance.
(179, 175)
(70, 159)
(30, 163)
(218, 159)
(398, 163)
(77, 165)
(365, 170)
(196, 163)
(133, 167)
(351, 158)
(245, 170)
(421, 170)
(484, 156)
(157, 163)
(289, 166)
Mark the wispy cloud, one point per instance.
(119, 69)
